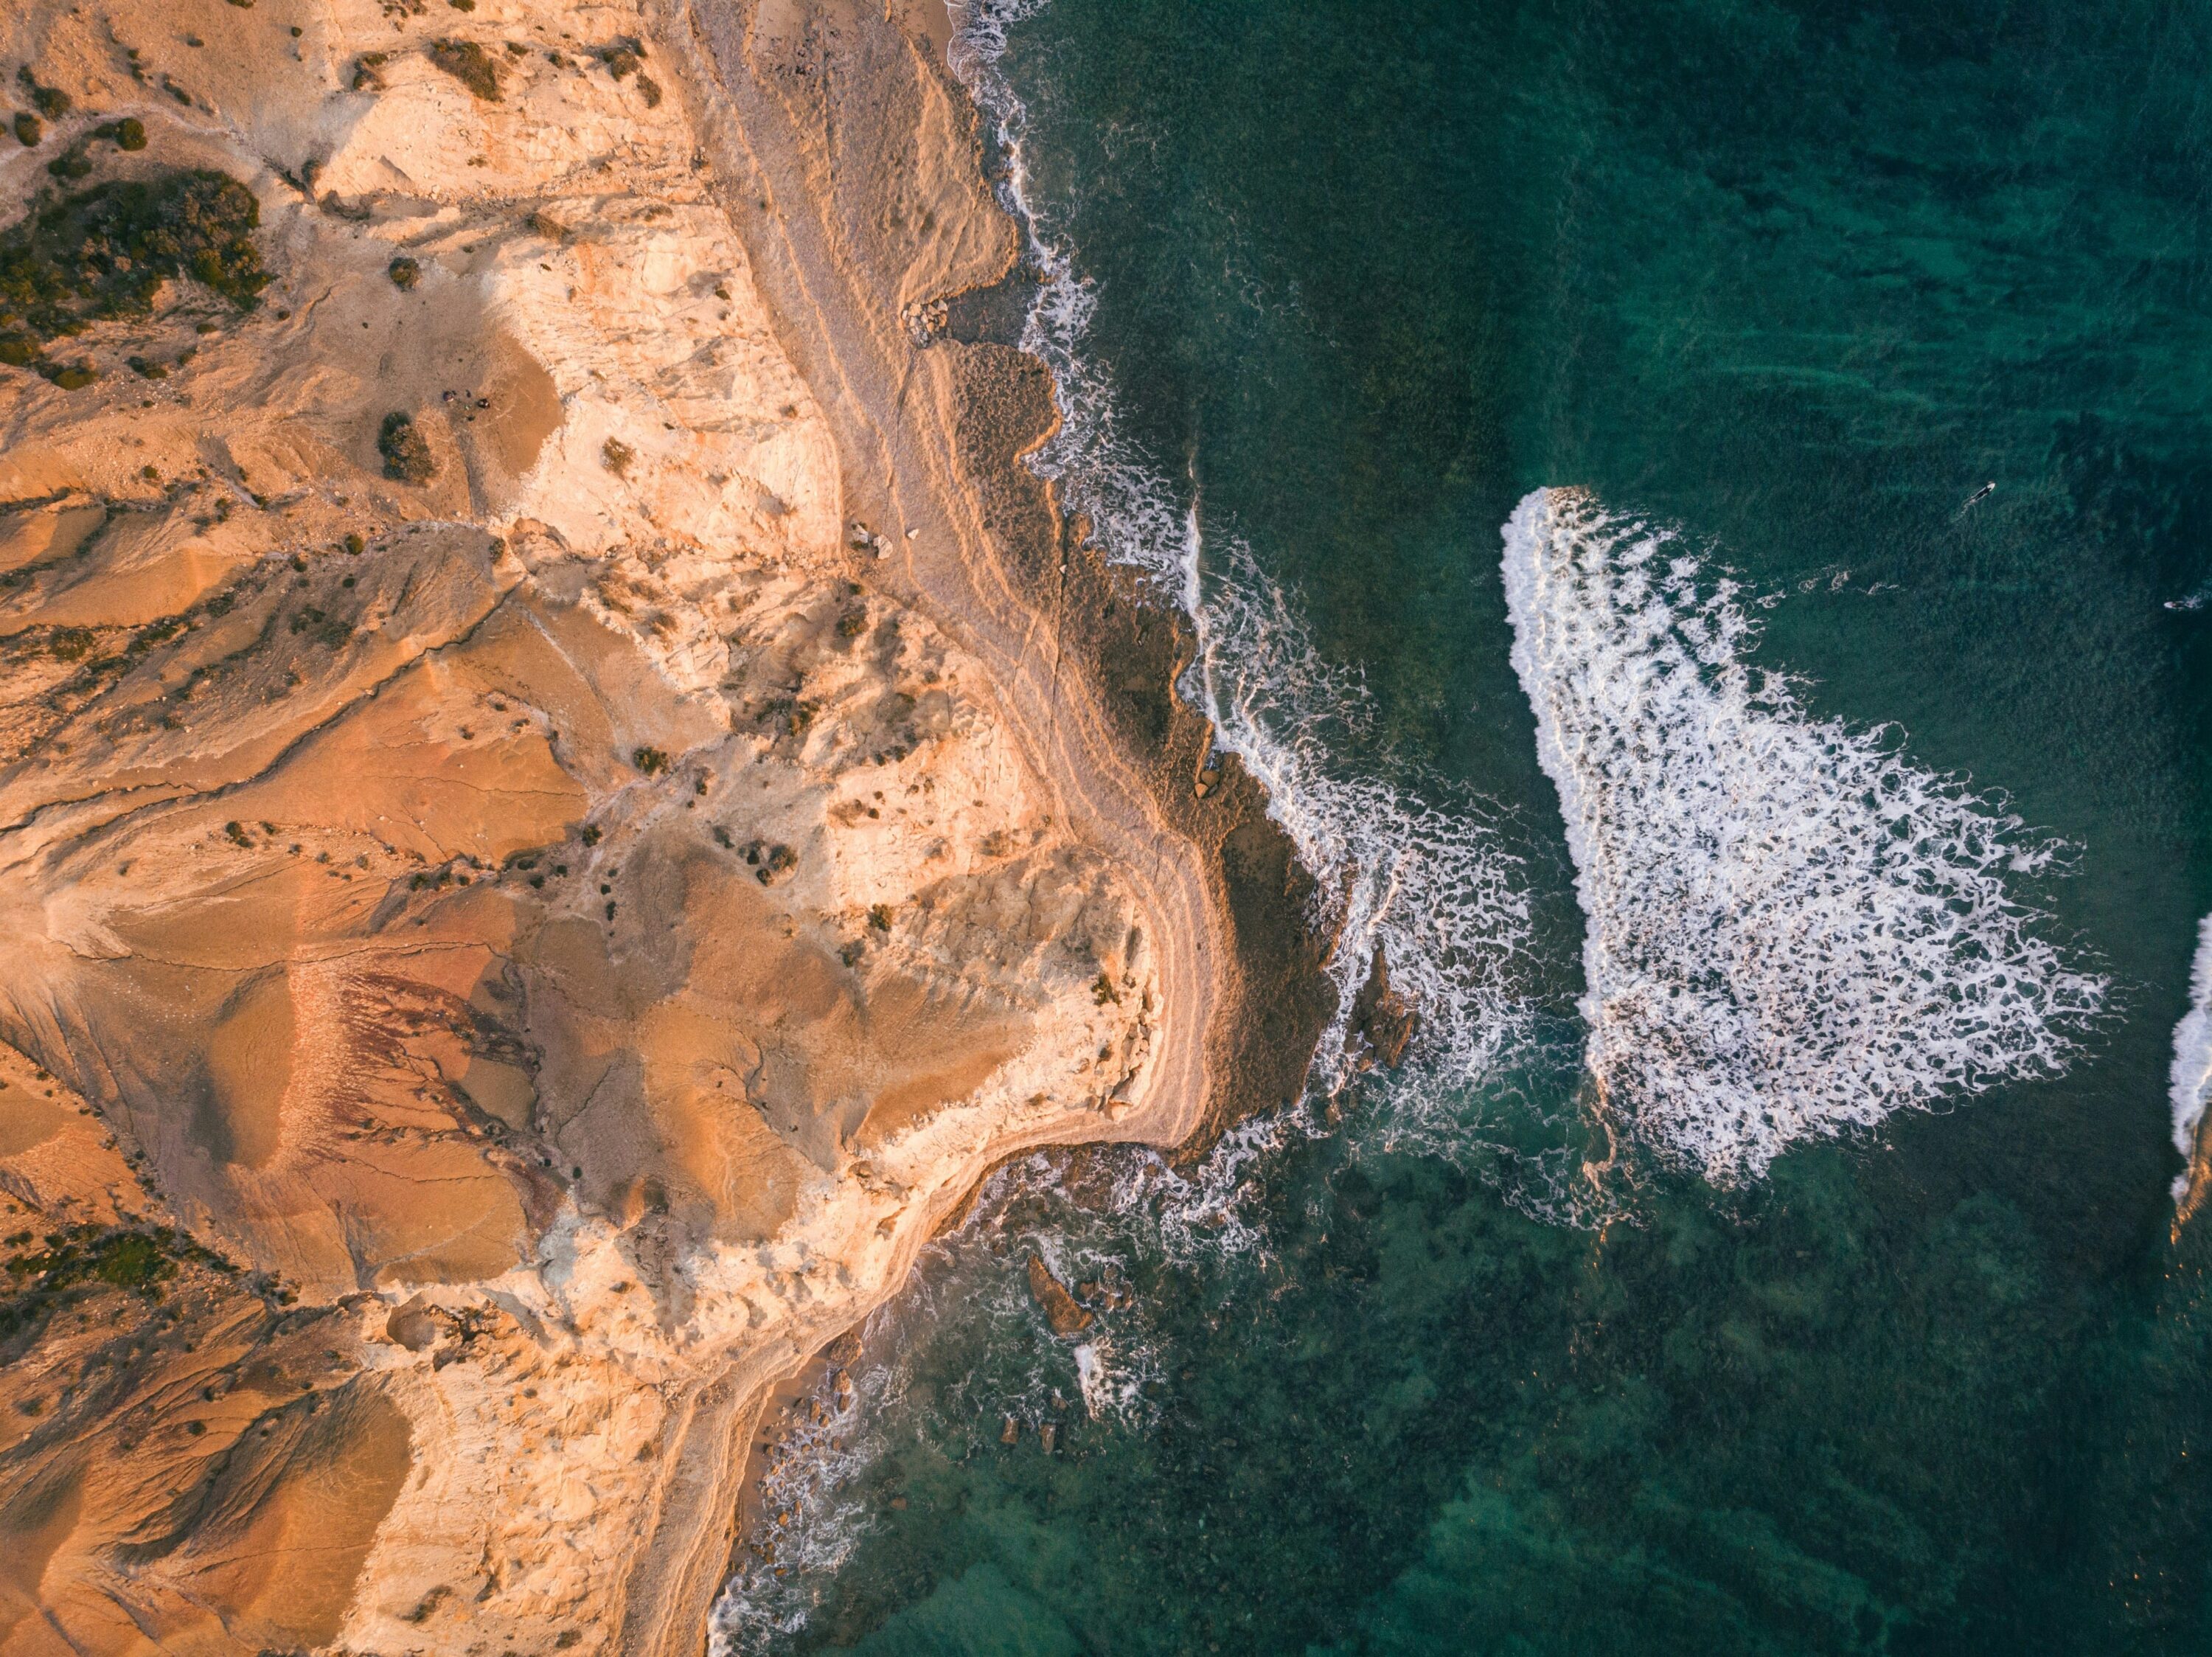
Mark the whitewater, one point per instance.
(2190, 1080)
(1791, 929)
(1409, 864)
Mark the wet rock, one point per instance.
(1382, 1017)
(1060, 1308)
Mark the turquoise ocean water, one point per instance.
(1797, 847)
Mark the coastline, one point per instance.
(1084, 661)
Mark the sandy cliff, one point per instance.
(524, 916)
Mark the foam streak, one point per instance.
(1413, 866)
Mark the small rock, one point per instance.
(1060, 1308)
(1380, 1016)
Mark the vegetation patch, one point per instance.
(50, 101)
(406, 452)
(623, 57)
(771, 860)
(102, 254)
(135, 1260)
(623, 60)
(469, 63)
(404, 272)
(324, 629)
(70, 376)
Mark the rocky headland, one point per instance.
(563, 797)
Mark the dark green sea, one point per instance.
(1797, 848)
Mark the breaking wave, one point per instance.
(1111, 1223)
(1790, 929)
(2190, 1080)
(808, 1520)
(1413, 865)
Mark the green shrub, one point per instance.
(406, 452)
(469, 63)
(404, 272)
(71, 163)
(771, 860)
(70, 376)
(135, 1260)
(102, 253)
(50, 101)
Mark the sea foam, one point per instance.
(1406, 861)
(2190, 1080)
(1790, 929)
